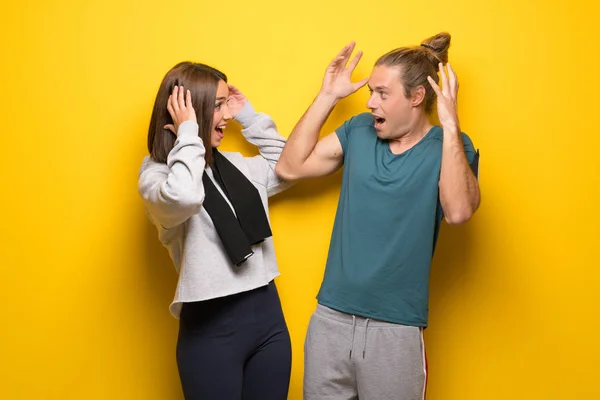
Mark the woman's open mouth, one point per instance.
(220, 130)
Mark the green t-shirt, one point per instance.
(386, 225)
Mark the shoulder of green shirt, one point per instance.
(364, 119)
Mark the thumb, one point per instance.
(359, 84)
(171, 128)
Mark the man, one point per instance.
(401, 177)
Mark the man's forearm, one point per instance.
(459, 189)
(305, 135)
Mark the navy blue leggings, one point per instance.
(235, 348)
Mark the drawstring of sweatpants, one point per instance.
(365, 338)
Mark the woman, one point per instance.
(211, 212)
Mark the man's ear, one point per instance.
(417, 96)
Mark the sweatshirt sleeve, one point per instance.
(174, 192)
(260, 130)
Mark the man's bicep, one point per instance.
(326, 158)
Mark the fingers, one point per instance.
(453, 81)
(179, 103)
(235, 94)
(233, 90)
(336, 64)
(355, 61)
(347, 50)
(342, 57)
(435, 86)
(188, 99)
(444, 77)
(173, 98)
(170, 107)
(180, 98)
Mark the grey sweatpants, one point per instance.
(349, 357)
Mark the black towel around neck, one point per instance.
(251, 225)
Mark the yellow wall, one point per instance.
(85, 285)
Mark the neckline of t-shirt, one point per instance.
(429, 132)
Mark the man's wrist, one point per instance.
(327, 99)
(451, 129)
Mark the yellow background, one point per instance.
(85, 284)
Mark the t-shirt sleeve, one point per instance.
(472, 154)
(343, 134)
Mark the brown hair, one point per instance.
(202, 81)
(417, 63)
